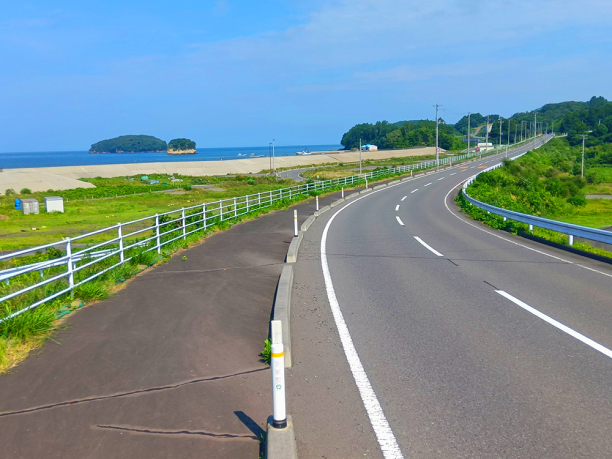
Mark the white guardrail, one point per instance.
(127, 240)
(570, 229)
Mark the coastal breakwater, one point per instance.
(66, 177)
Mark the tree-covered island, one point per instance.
(181, 147)
(130, 144)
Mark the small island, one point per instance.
(182, 147)
(130, 144)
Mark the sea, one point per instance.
(84, 158)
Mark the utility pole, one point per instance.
(515, 131)
(486, 136)
(273, 166)
(508, 143)
(359, 156)
(584, 136)
(468, 133)
(270, 155)
(437, 149)
(501, 121)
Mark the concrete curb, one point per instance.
(365, 191)
(352, 195)
(393, 182)
(292, 253)
(338, 202)
(322, 210)
(405, 178)
(309, 221)
(378, 187)
(282, 308)
(280, 443)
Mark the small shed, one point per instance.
(54, 204)
(29, 206)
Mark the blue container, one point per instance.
(18, 204)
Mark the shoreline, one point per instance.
(67, 177)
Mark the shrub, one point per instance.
(578, 201)
(9, 192)
(25, 191)
(187, 187)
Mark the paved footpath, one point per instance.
(166, 368)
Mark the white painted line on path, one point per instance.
(399, 220)
(580, 337)
(397, 208)
(442, 178)
(428, 184)
(511, 241)
(382, 429)
(414, 191)
(405, 197)
(428, 246)
(453, 173)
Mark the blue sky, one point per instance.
(239, 73)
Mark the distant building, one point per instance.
(369, 147)
(482, 146)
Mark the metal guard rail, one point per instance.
(570, 229)
(204, 214)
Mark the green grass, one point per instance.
(266, 354)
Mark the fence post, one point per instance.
(70, 268)
(295, 223)
(157, 234)
(221, 209)
(120, 235)
(270, 197)
(277, 363)
(289, 194)
(235, 208)
(204, 216)
(247, 203)
(183, 217)
(259, 199)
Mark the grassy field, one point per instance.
(84, 215)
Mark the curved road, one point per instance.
(454, 324)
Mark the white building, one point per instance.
(54, 204)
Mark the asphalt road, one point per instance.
(460, 364)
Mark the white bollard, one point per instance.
(342, 192)
(295, 223)
(530, 227)
(277, 363)
(366, 183)
(504, 218)
(317, 203)
(571, 240)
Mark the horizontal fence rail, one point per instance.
(570, 229)
(83, 259)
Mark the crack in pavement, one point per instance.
(144, 430)
(127, 394)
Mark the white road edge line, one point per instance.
(580, 337)
(399, 220)
(428, 184)
(404, 198)
(382, 429)
(428, 246)
(414, 191)
(397, 208)
(514, 242)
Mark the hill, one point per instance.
(129, 144)
(181, 147)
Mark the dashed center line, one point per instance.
(428, 246)
(428, 184)
(413, 191)
(405, 197)
(397, 208)
(399, 220)
(580, 337)
(442, 178)
(453, 173)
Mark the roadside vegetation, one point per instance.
(548, 182)
(28, 331)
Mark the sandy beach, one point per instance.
(65, 178)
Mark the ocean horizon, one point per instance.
(84, 158)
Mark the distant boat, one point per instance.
(240, 154)
(253, 155)
(306, 151)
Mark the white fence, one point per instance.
(124, 241)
